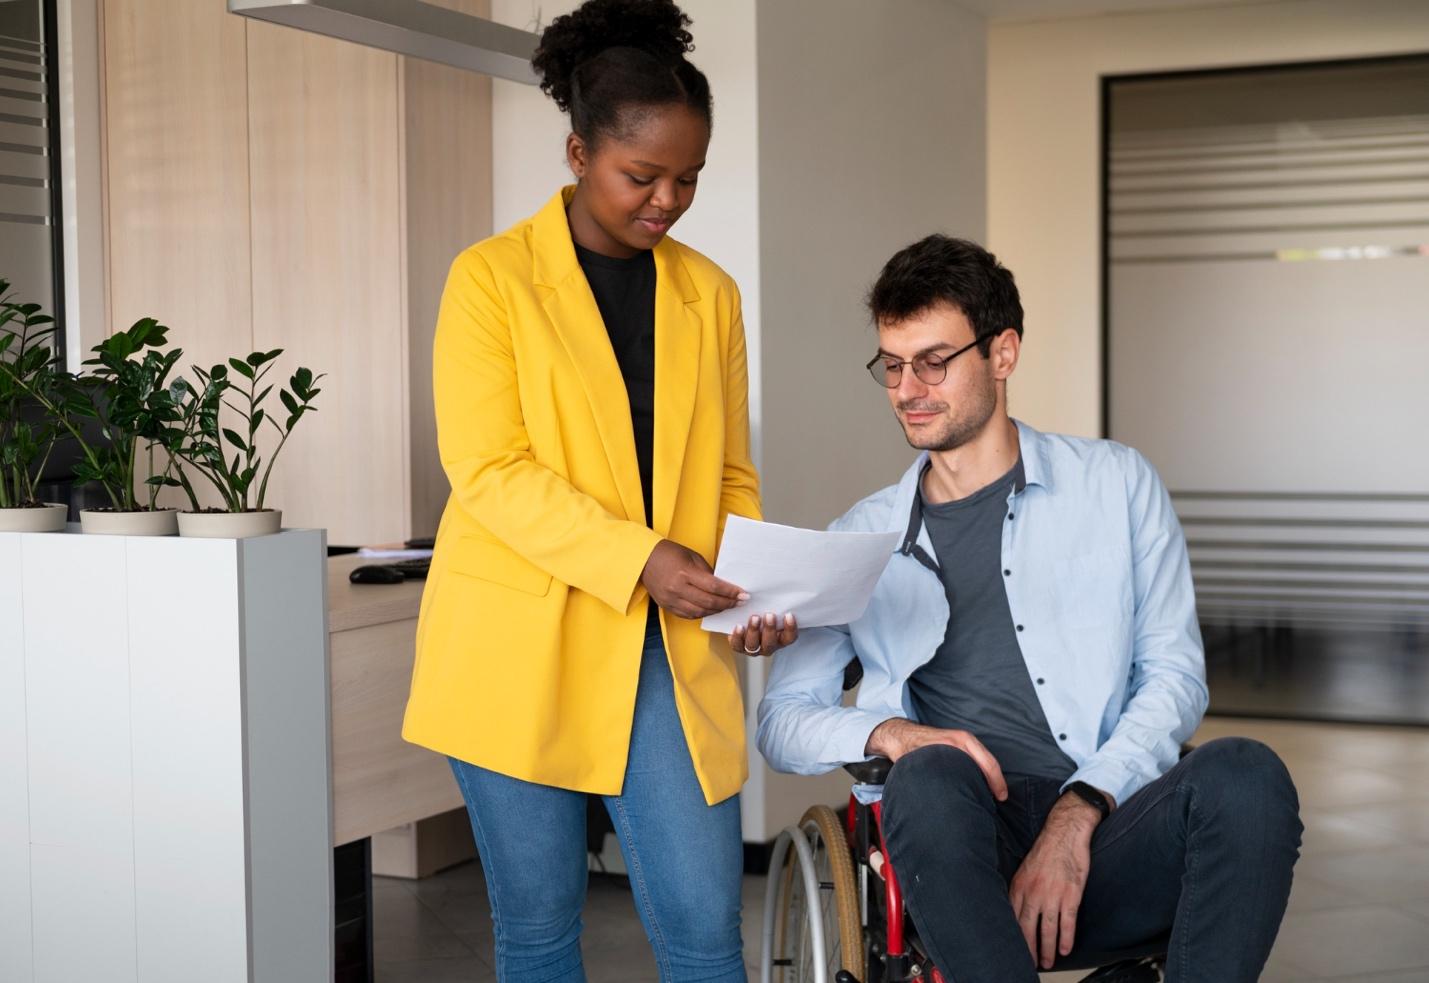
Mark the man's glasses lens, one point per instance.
(888, 372)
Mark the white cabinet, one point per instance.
(165, 805)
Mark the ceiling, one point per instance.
(1017, 10)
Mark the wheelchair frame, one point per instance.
(889, 948)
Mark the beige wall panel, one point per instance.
(448, 207)
(174, 95)
(327, 261)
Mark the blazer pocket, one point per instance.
(498, 564)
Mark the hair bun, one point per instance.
(653, 26)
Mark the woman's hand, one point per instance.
(764, 636)
(682, 583)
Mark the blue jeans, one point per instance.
(1197, 864)
(685, 858)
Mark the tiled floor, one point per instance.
(1359, 910)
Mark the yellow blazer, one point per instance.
(533, 617)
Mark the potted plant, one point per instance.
(205, 443)
(136, 410)
(139, 417)
(27, 434)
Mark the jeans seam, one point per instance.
(482, 849)
(1099, 846)
(1189, 897)
(637, 872)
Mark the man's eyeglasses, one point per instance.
(930, 369)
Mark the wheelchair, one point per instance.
(833, 908)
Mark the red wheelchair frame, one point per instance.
(888, 940)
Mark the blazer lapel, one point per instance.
(678, 340)
(575, 318)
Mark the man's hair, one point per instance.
(942, 270)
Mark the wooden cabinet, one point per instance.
(268, 188)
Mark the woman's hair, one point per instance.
(608, 61)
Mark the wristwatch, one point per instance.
(1092, 796)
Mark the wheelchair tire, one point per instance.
(832, 842)
(812, 926)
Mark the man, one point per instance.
(1032, 664)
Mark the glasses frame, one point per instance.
(889, 361)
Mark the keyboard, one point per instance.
(415, 569)
(391, 573)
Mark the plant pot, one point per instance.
(230, 525)
(160, 522)
(46, 518)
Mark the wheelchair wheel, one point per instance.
(812, 927)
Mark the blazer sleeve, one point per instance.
(739, 489)
(486, 452)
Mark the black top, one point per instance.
(977, 680)
(625, 293)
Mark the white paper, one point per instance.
(392, 553)
(822, 578)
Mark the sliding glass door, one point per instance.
(1267, 330)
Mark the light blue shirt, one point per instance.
(1099, 588)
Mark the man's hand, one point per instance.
(897, 736)
(1047, 889)
(682, 583)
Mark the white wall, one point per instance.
(86, 319)
(1044, 137)
(871, 128)
(529, 160)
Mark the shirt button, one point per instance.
(1019, 627)
(1007, 573)
(1011, 516)
(1061, 737)
(1040, 680)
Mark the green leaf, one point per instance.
(235, 440)
(242, 368)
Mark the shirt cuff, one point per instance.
(1113, 779)
(851, 741)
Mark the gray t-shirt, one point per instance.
(977, 681)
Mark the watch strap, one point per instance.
(1092, 796)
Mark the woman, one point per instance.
(592, 419)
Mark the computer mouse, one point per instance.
(376, 573)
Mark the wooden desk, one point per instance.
(379, 781)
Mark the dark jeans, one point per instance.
(1196, 864)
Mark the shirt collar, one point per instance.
(1036, 470)
(1036, 457)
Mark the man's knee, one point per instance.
(1240, 776)
(936, 778)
